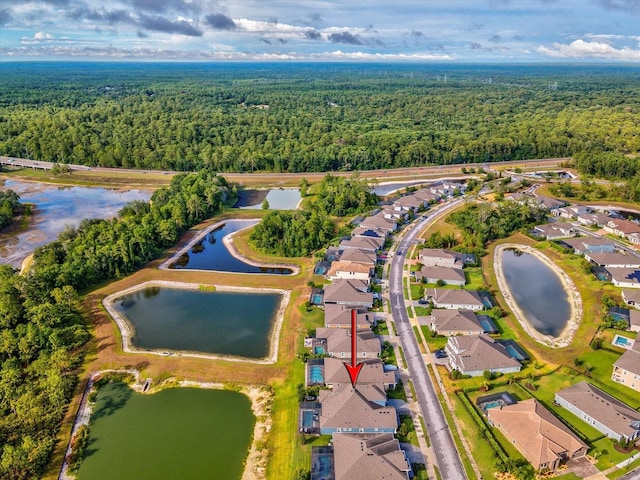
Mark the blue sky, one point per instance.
(322, 30)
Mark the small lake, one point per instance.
(219, 323)
(55, 208)
(382, 190)
(185, 433)
(278, 199)
(537, 290)
(211, 253)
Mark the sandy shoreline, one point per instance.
(261, 398)
(127, 331)
(228, 242)
(575, 301)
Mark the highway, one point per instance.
(444, 449)
(275, 178)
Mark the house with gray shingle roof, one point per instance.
(452, 322)
(624, 277)
(369, 244)
(366, 457)
(339, 316)
(381, 222)
(614, 260)
(356, 410)
(584, 245)
(449, 275)
(551, 231)
(626, 370)
(338, 342)
(454, 298)
(372, 373)
(350, 293)
(600, 410)
(541, 437)
(631, 297)
(475, 354)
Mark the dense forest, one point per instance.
(9, 206)
(483, 223)
(300, 233)
(41, 327)
(312, 117)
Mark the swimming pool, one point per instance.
(624, 342)
(318, 350)
(316, 299)
(494, 404)
(307, 418)
(315, 374)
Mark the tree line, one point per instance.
(297, 119)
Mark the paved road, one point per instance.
(447, 458)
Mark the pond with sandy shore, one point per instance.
(185, 319)
(543, 298)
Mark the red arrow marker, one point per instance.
(353, 369)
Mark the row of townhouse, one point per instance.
(359, 419)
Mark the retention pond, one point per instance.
(185, 433)
(176, 321)
(538, 292)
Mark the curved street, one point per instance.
(444, 449)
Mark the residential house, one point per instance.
(475, 354)
(369, 232)
(355, 255)
(634, 238)
(342, 270)
(624, 277)
(339, 316)
(626, 370)
(381, 222)
(366, 456)
(439, 257)
(571, 211)
(368, 244)
(541, 437)
(600, 410)
(362, 409)
(585, 245)
(454, 298)
(350, 293)
(452, 322)
(614, 260)
(549, 202)
(631, 297)
(426, 195)
(449, 275)
(338, 342)
(621, 228)
(630, 316)
(410, 203)
(593, 219)
(552, 231)
(372, 373)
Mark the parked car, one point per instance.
(440, 353)
(423, 301)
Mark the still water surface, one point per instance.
(212, 254)
(55, 208)
(222, 323)
(537, 291)
(178, 433)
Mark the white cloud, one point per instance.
(582, 49)
(42, 36)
